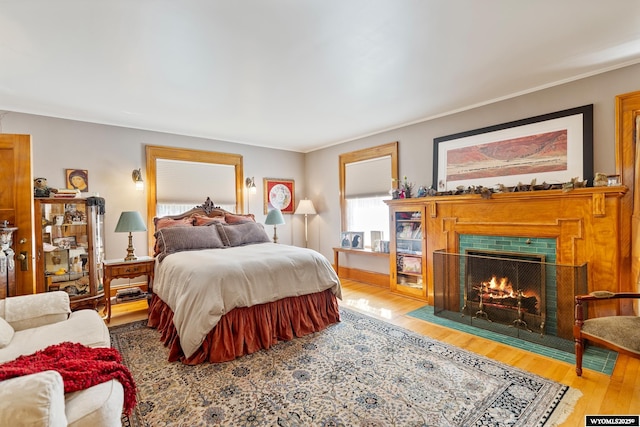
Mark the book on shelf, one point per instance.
(63, 193)
(411, 265)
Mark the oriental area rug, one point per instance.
(359, 372)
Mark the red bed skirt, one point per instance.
(246, 330)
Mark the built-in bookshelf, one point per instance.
(407, 249)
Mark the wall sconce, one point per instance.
(250, 183)
(136, 175)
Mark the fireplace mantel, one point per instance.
(585, 222)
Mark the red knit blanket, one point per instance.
(80, 366)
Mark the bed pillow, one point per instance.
(199, 220)
(162, 222)
(177, 239)
(242, 234)
(238, 218)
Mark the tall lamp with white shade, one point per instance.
(305, 207)
(130, 221)
(275, 218)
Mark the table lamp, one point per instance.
(130, 221)
(305, 207)
(274, 217)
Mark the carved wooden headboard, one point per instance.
(208, 209)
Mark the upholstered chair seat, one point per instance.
(619, 333)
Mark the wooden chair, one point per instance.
(618, 333)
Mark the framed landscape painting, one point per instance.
(551, 148)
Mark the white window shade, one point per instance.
(192, 182)
(368, 178)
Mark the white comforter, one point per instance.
(201, 286)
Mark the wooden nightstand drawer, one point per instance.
(131, 269)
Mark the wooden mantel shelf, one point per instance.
(538, 194)
(526, 194)
(597, 194)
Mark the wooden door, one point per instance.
(628, 167)
(16, 204)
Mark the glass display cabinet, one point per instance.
(70, 248)
(407, 260)
(7, 261)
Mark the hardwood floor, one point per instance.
(618, 394)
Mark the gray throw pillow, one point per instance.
(242, 234)
(178, 239)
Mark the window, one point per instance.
(365, 180)
(172, 185)
(180, 186)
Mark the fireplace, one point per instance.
(505, 287)
(517, 294)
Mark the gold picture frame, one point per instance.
(77, 179)
(279, 194)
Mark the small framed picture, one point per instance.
(279, 194)
(352, 239)
(376, 238)
(77, 179)
(65, 242)
(345, 240)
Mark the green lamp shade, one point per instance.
(130, 221)
(274, 217)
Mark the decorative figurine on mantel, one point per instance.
(41, 189)
(600, 180)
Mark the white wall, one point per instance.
(110, 154)
(416, 146)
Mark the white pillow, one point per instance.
(6, 333)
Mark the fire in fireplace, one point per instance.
(506, 287)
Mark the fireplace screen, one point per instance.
(507, 288)
(514, 294)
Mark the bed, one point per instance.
(222, 289)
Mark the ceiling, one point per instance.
(297, 74)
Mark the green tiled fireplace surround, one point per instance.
(525, 245)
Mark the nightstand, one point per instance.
(121, 269)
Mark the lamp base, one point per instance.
(131, 256)
(275, 234)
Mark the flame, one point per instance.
(503, 285)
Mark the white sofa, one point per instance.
(33, 322)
